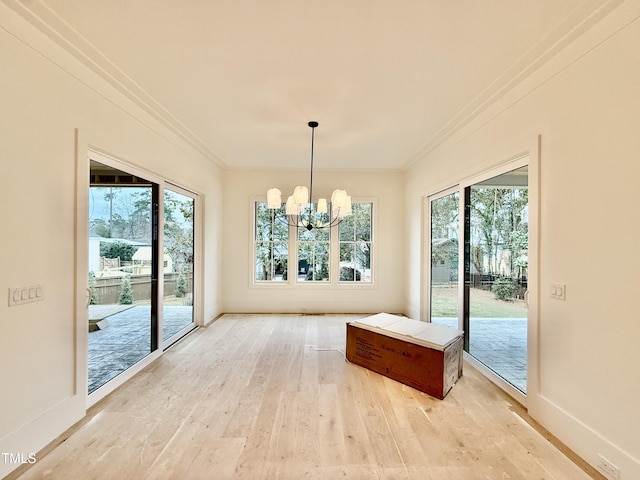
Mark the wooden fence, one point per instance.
(107, 290)
(485, 282)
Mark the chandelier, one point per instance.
(299, 208)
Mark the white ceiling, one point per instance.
(386, 79)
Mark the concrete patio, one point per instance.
(500, 344)
(126, 338)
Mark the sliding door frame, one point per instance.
(158, 346)
(426, 264)
(197, 264)
(465, 187)
(528, 155)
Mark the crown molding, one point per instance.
(45, 20)
(565, 33)
(297, 170)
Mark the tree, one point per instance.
(355, 241)
(139, 218)
(93, 292)
(444, 217)
(272, 236)
(313, 248)
(350, 274)
(129, 214)
(101, 227)
(499, 229)
(126, 292)
(122, 250)
(178, 228)
(444, 231)
(181, 285)
(504, 289)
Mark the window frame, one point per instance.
(354, 243)
(292, 254)
(297, 242)
(255, 242)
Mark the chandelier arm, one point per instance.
(335, 221)
(332, 223)
(286, 221)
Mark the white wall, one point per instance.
(45, 96)
(386, 294)
(585, 104)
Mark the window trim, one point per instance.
(292, 258)
(254, 243)
(296, 247)
(371, 242)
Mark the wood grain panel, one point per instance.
(272, 397)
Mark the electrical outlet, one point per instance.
(609, 469)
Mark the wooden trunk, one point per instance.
(425, 356)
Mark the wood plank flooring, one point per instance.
(272, 397)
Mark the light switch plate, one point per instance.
(559, 291)
(22, 295)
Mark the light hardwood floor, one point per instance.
(272, 397)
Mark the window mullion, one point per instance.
(334, 256)
(292, 265)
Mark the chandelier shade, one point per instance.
(301, 195)
(340, 203)
(274, 198)
(299, 207)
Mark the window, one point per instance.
(271, 244)
(355, 245)
(339, 255)
(314, 248)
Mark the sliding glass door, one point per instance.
(178, 264)
(484, 293)
(443, 274)
(141, 268)
(122, 276)
(496, 248)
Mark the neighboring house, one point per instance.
(106, 267)
(142, 261)
(443, 267)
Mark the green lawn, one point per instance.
(483, 305)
